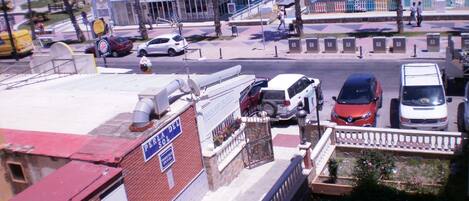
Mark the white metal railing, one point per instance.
(398, 139)
(288, 183)
(252, 9)
(323, 151)
(231, 147)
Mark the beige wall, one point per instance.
(35, 168)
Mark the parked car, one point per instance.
(463, 112)
(358, 102)
(170, 44)
(119, 46)
(286, 91)
(249, 98)
(422, 99)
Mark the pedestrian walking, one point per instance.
(419, 14)
(281, 17)
(413, 10)
(150, 20)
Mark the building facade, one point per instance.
(123, 12)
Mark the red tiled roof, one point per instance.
(78, 147)
(74, 181)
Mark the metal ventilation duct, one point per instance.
(197, 83)
(154, 100)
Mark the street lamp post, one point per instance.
(317, 112)
(301, 117)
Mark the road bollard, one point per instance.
(361, 52)
(276, 53)
(200, 52)
(221, 56)
(415, 50)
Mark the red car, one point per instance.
(119, 46)
(358, 102)
(249, 98)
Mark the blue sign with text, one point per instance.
(155, 143)
(166, 158)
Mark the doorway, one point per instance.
(162, 9)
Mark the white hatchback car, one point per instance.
(170, 44)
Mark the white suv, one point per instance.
(423, 104)
(286, 91)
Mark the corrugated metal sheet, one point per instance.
(74, 181)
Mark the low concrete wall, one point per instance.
(85, 64)
(383, 19)
(217, 178)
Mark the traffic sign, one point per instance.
(99, 27)
(103, 47)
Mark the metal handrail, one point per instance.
(290, 186)
(13, 84)
(30, 69)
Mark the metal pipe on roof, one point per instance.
(146, 106)
(197, 83)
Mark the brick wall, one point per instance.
(145, 181)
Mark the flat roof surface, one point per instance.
(283, 81)
(74, 181)
(77, 104)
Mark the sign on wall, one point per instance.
(166, 158)
(155, 143)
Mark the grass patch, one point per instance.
(58, 17)
(37, 4)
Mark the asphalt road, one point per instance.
(331, 72)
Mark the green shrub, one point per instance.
(373, 165)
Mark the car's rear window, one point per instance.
(178, 38)
(120, 39)
(273, 95)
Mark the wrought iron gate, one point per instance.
(259, 147)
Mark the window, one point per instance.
(178, 38)
(156, 41)
(16, 172)
(164, 40)
(291, 91)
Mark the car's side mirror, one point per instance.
(375, 99)
(449, 100)
(334, 98)
(311, 81)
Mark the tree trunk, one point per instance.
(31, 22)
(298, 20)
(69, 10)
(216, 17)
(141, 21)
(400, 23)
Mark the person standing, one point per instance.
(413, 10)
(281, 17)
(419, 14)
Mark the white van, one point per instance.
(286, 91)
(423, 104)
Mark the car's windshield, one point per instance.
(273, 95)
(178, 38)
(355, 94)
(423, 95)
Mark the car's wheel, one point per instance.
(115, 54)
(142, 53)
(394, 113)
(270, 108)
(460, 120)
(172, 52)
(380, 100)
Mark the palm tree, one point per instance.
(400, 23)
(298, 20)
(69, 10)
(141, 21)
(216, 17)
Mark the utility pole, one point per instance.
(31, 23)
(7, 23)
